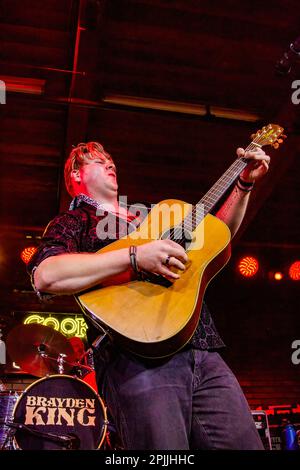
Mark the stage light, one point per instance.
(31, 86)
(248, 266)
(278, 276)
(28, 253)
(294, 271)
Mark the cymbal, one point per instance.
(25, 343)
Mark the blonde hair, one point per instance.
(80, 155)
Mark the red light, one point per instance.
(248, 266)
(28, 253)
(294, 271)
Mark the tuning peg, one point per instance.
(275, 145)
(254, 136)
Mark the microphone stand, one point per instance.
(68, 441)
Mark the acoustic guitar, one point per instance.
(154, 317)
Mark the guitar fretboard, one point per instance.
(267, 136)
(213, 196)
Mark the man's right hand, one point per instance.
(158, 256)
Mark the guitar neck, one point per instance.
(216, 192)
(213, 196)
(268, 135)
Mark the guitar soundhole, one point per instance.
(179, 235)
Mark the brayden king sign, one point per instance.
(60, 411)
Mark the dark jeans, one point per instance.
(192, 400)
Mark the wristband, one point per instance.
(133, 262)
(244, 185)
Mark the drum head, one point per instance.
(60, 412)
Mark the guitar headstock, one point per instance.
(272, 134)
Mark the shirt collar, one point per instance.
(133, 221)
(75, 203)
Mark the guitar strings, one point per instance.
(209, 200)
(218, 190)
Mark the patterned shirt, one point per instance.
(78, 231)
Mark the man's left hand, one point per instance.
(258, 166)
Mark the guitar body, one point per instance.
(148, 318)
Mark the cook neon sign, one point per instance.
(68, 326)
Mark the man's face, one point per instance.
(98, 176)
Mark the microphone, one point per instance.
(284, 65)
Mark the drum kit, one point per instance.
(57, 411)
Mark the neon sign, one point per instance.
(281, 409)
(68, 326)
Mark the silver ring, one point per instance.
(167, 260)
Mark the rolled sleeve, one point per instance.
(61, 236)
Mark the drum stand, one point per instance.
(61, 356)
(68, 442)
(60, 360)
(8, 443)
